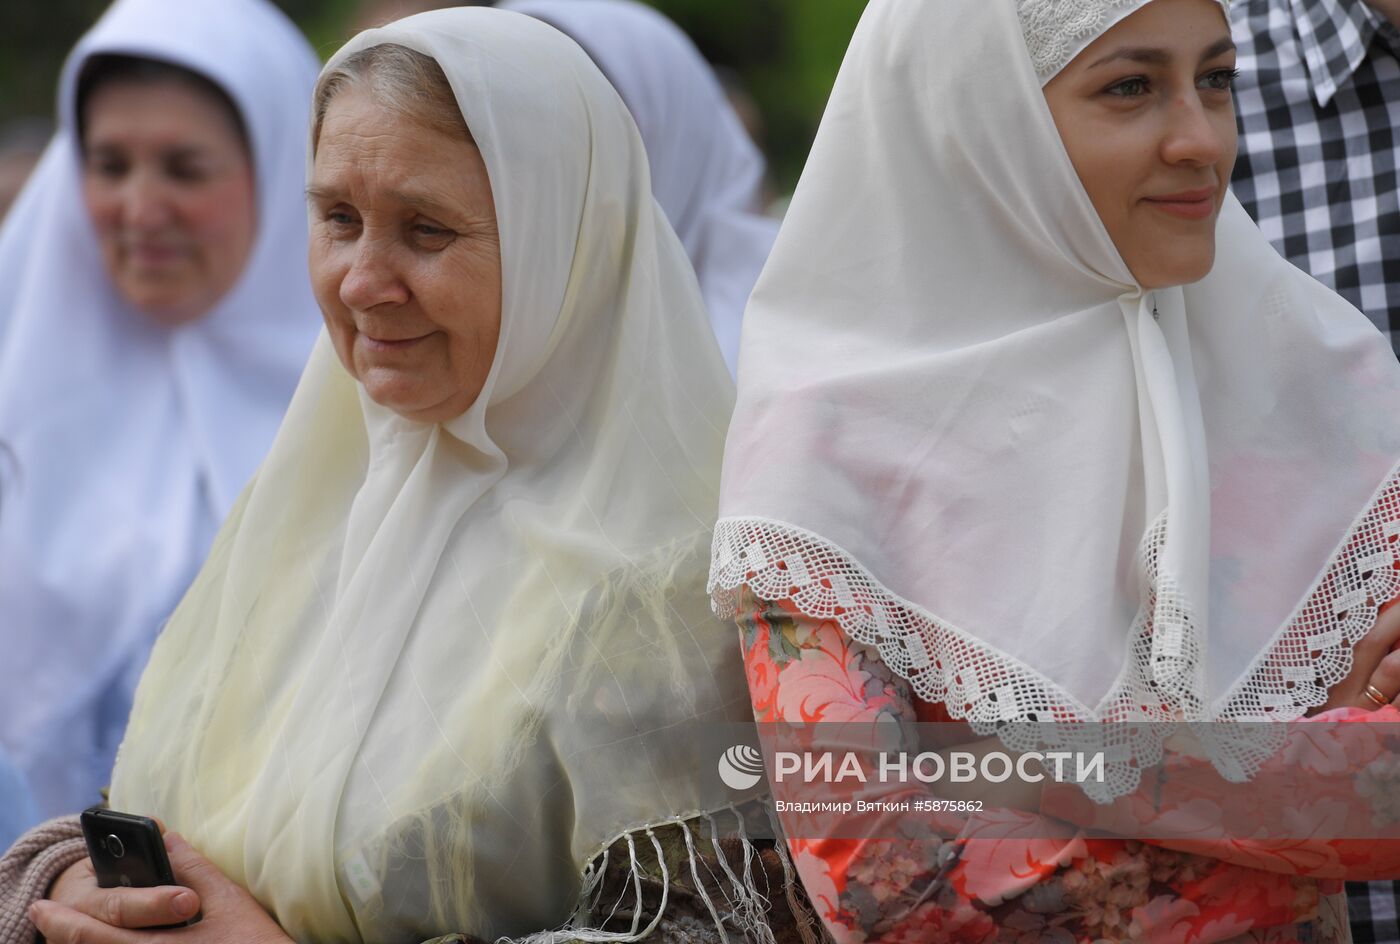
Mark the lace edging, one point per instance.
(1056, 31)
(997, 693)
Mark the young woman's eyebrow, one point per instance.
(1218, 48)
(1152, 55)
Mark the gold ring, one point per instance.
(1376, 695)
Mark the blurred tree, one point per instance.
(785, 54)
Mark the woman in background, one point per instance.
(706, 172)
(154, 315)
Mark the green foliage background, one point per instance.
(786, 52)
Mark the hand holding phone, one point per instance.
(129, 851)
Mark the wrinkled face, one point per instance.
(405, 258)
(169, 185)
(1146, 115)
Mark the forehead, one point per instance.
(164, 111)
(1170, 24)
(369, 152)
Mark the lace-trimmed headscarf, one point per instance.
(1058, 30)
(1041, 492)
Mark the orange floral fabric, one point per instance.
(1062, 890)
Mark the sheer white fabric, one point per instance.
(1041, 492)
(128, 443)
(705, 171)
(431, 670)
(1058, 30)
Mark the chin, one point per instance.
(1166, 273)
(393, 393)
(164, 309)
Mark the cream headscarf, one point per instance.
(1043, 493)
(128, 442)
(431, 670)
(705, 171)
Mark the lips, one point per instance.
(154, 255)
(391, 344)
(1188, 204)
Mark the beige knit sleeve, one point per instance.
(29, 867)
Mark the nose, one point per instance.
(372, 279)
(145, 203)
(1192, 137)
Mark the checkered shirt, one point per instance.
(1318, 100)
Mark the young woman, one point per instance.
(1033, 425)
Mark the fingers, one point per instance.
(191, 868)
(1383, 636)
(138, 907)
(122, 907)
(59, 924)
(1386, 677)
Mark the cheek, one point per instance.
(103, 205)
(1230, 134)
(473, 298)
(325, 274)
(1113, 173)
(222, 223)
(328, 268)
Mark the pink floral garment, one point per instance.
(966, 889)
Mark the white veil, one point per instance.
(129, 442)
(431, 671)
(706, 172)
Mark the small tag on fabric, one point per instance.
(362, 880)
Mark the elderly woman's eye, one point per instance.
(1128, 88)
(431, 232)
(339, 221)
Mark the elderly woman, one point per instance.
(706, 172)
(1056, 436)
(450, 667)
(154, 317)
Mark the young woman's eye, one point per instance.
(1128, 88)
(1221, 79)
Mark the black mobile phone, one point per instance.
(127, 850)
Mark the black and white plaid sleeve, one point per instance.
(1318, 101)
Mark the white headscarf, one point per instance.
(965, 432)
(130, 441)
(429, 671)
(705, 171)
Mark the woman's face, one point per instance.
(169, 185)
(405, 258)
(1146, 115)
